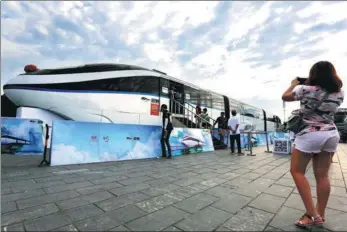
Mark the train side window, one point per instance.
(253, 112)
(193, 95)
(235, 106)
(164, 87)
(137, 84)
(149, 84)
(206, 99)
(260, 114)
(218, 102)
(248, 112)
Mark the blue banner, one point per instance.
(86, 142)
(258, 138)
(22, 136)
(190, 141)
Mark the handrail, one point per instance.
(193, 114)
(191, 111)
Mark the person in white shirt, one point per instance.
(234, 127)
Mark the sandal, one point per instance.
(317, 220)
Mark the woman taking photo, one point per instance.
(317, 138)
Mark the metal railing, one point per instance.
(192, 108)
(186, 114)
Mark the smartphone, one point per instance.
(301, 80)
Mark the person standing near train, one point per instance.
(221, 121)
(166, 131)
(205, 119)
(197, 116)
(234, 127)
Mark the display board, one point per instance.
(282, 146)
(87, 142)
(190, 141)
(22, 136)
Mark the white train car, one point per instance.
(118, 93)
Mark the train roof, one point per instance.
(88, 68)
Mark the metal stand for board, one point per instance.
(45, 161)
(250, 145)
(267, 144)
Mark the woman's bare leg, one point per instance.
(321, 164)
(298, 166)
(332, 156)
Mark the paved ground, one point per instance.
(205, 192)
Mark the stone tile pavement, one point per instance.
(206, 192)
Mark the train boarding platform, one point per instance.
(213, 191)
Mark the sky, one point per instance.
(249, 51)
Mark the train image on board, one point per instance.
(119, 93)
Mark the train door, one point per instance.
(172, 95)
(176, 97)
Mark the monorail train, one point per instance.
(118, 93)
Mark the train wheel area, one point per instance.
(206, 192)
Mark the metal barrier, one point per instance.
(226, 132)
(267, 143)
(250, 144)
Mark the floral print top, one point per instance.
(322, 119)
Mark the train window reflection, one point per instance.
(144, 84)
(253, 112)
(235, 106)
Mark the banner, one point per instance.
(86, 142)
(22, 136)
(190, 140)
(258, 138)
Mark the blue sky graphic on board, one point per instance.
(85, 142)
(21, 136)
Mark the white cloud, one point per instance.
(67, 154)
(244, 17)
(150, 149)
(17, 50)
(328, 13)
(158, 52)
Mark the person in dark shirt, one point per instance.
(222, 123)
(166, 131)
